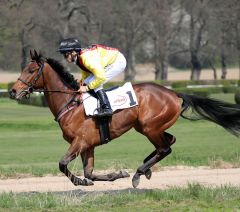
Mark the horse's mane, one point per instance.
(67, 78)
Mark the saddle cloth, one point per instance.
(119, 98)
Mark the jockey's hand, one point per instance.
(83, 89)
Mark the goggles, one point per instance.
(66, 54)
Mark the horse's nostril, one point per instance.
(12, 93)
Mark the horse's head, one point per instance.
(30, 78)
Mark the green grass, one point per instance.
(31, 143)
(192, 198)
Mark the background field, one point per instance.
(31, 143)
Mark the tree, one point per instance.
(166, 18)
(198, 14)
(23, 26)
(131, 20)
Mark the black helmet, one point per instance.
(69, 44)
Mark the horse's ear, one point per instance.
(35, 54)
(31, 54)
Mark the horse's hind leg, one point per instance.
(169, 140)
(162, 150)
(88, 163)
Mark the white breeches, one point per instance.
(111, 71)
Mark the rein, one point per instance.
(66, 107)
(55, 91)
(31, 85)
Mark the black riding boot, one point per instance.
(105, 108)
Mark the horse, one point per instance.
(157, 110)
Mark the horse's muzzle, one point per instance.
(13, 94)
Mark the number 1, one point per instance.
(132, 102)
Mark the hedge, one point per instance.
(219, 86)
(4, 94)
(35, 100)
(4, 85)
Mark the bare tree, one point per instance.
(227, 22)
(198, 15)
(166, 18)
(220, 19)
(207, 30)
(131, 19)
(235, 20)
(24, 25)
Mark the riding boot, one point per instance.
(105, 108)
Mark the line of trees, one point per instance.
(178, 33)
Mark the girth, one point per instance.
(70, 105)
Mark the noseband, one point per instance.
(31, 85)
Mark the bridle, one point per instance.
(65, 108)
(30, 89)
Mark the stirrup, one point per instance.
(104, 113)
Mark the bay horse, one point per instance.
(158, 109)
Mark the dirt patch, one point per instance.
(144, 72)
(164, 179)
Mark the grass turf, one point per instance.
(192, 198)
(31, 143)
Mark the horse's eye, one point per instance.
(31, 71)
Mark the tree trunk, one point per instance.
(130, 71)
(238, 47)
(158, 70)
(223, 57)
(165, 66)
(223, 64)
(214, 70)
(196, 66)
(24, 57)
(161, 68)
(161, 60)
(24, 49)
(239, 62)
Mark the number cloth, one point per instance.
(119, 98)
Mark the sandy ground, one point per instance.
(144, 72)
(164, 179)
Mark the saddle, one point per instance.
(120, 97)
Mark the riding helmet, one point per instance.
(69, 44)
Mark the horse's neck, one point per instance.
(56, 100)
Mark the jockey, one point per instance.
(98, 64)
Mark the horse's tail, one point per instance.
(224, 114)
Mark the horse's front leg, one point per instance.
(77, 146)
(88, 164)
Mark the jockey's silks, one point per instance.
(93, 60)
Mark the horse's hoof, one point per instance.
(124, 174)
(77, 181)
(87, 182)
(148, 174)
(135, 180)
